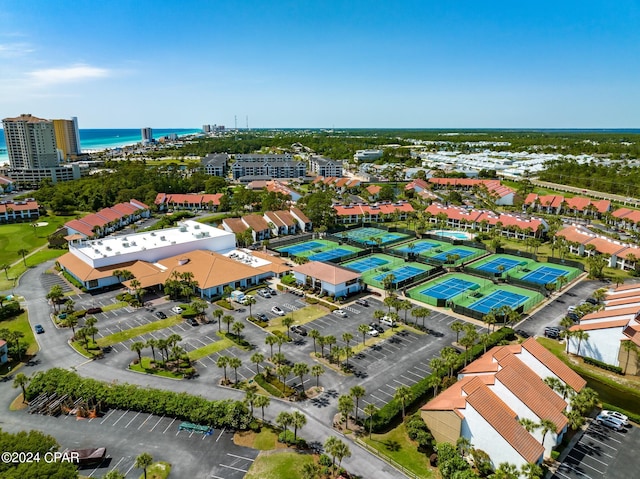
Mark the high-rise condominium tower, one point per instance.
(31, 142)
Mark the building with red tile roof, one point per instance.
(372, 213)
(107, 220)
(12, 211)
(557, 204)
(497, 390)
(328, 279)
(190, 201)
(503, 195)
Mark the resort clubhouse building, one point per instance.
(153, 257)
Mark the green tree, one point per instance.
(138, 346)
(143, 461)
(257, 358)
(262, 402)
(315, 335)
(270, 340)
(235, 362)
(21, 381)
(287, 321)
(345, 406)
(300, 370)
(284, 420)
(370, 410)
(23, 252)
(55, 295)
(317, 371)
(404, 395)
(298, 421)
(363, 329)
(228, 320)
(237, 328)
(250, 301)
(357, 392)
(457, 327)
(546, 425)
(223, 362)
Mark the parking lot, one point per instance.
(602, 453)
(191, 454)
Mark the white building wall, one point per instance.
(523, 411)
(483, 436)
(536, 366)
(603, 345)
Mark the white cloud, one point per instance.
(12, 50)
(67, 75)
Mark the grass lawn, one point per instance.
(300, 316)
(396, 445)
(20, 323)
(373, 340)
(146, 367)
(278, 465)
(14, 272)
(619, 391)
(157, 470)
(212, 348)
(139, 330)
(265, 440)
(111, 307)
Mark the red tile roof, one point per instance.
(192, 199)
(301, 216)
(560, 369)
(28, 205)
(620, 323)
(236, 225)
(326, 272)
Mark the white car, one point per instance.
(176, 309)
(617, 415)
(278, 311)
(388, 321)
(340, 312)
(372, 332)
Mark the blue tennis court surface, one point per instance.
(497, 299)
(449, 288)
(366, 264)
(493, 266)
(329, 255)
(418, 247)
(400, 274)
(301, 247)
(462, 253)
(544, 275)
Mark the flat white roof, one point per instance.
(186, 232)
(244, 256)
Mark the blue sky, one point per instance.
(400, 64)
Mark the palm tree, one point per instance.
(311, 470)
(237, 327)
(284, 420)
(223, 362)
(317, 371)
(347, 337)
(340, 451)
(528, 424)
(457, 327)
(345, 406)
(546, 425)
(257, 358)
(152, 343)
(23, 252)
(370, 409)
(5, 267)
(235, 363)
(582, 336)
(283, 371)
(329, 446)
(270, 340)
(218, 313)
(20, 381)
(357, 392)
(249, 301)
(404, 395)
(364, 329)
(298, 421)
(262, 402)
(143, 461)
(55, 295)
(420, 312)
(228, 319)
(506, 471)
(531, 471)
(138, 346)
(300, 369)
(314, 334)
(287, 321)
(629, 347)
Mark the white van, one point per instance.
(388, 321)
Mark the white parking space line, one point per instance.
(118, 420)
(600, 442)
(414, 374)
(240, 457)
(157, 423)
(587, 446)
(582, 463)
(145, 421)
(201, 364)
(117, 464)
(383, 392)
(235, 468)
(221, 433)
(400, 382)
(558, 472)
(585, 457)
(423, 370)
(411, 381)
(167, 428)
(129, 470)
(107, 416)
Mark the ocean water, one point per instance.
(97, 139)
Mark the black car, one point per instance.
(377, 327)
(161, 315)
(552, 332)
(593, 301)
(192, 321)
(262, 317)
(522, 333)
(573, 317)
(362, 302)
(299, 330)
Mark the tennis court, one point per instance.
(544, 275)
(498, 298)
(400, 274)
(462, 253)
(301, 247)
(368, 235)
(330, 254)
(449, 288)
(500, 265)
(418, 246)
(365, 264)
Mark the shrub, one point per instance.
(601, 365)
(325, 460)
(10, 310)
(223, 303)
(264, 384)
(282, 335)
(555, 455)
(288, 279)
(286, 437)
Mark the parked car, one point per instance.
(573, 317)
(592, 301)
(522, 333)
(272, 291)
(298, 330)
(617, 415)
(340, 312)
(552, 332)
(95, 310)
(362, 302)
(39, 329)
(264, 293)
(571, 309)
(377, 327)
(373, 332)
(278, 311)
(610, 422)
(161, 315)
(262, 317)
(176, 310)
(388, 321)
(192, 321)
